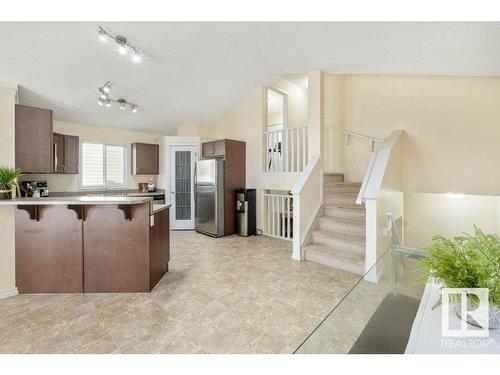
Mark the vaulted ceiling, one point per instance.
(195, 72)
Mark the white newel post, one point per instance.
(297, 240)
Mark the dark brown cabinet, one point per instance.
(91, 248)
(71, 154)
(213, 149)
(159, 246)
(58, 145)
(38, 149)
(48, 250)
(66, 150)
(145, 158)
(33, 131)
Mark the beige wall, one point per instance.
(59, 183)
(427, 215)
(7, 218)
(246, 122)
(451, 123)
(297, 103)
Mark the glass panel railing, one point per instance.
(376, 316)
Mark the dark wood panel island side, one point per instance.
(118, 245)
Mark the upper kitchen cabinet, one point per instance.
(34, 151)
(145, 158)
(66, 150)
(58, 150)
(213, 149)
(71, 154)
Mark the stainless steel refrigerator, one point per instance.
(209, 197)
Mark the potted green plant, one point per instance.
(8, 181)
(467, 261)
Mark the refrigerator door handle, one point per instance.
(194, 183)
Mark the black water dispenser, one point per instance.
(246, 215)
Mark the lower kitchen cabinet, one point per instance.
(101, 248)
(159, 246)
(49, 250)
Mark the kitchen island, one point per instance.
(90, 244)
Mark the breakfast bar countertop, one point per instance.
(79, 200)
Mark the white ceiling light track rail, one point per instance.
(124, 47)
(105, 100)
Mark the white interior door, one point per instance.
(182, 162)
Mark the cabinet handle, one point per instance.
(55, 157)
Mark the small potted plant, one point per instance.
(468, 261)
(8, 181)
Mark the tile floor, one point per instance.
(226, 295)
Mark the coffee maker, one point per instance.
(35, 189)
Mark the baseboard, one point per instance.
(374, 275)
(9, 293)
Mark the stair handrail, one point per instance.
(348, 134)
(376, 169)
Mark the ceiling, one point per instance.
(196, 72)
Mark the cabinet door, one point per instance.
(49, 252)
(33, 139)
(159, 246)
(207, 149)
(58, 149)
(220, 147)
(116, 250)
(71, 154)
(145, 158)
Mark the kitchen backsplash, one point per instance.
(63, 183)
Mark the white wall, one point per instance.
(62, 183)
(451, 125)
(7, 214)
(427, 215)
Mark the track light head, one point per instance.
(107, 103)
(133, 108)
(102, 35)
(100, 101)
(122, 103)
(106, 89)
(136, 57)
(124, 48)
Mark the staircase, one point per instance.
(338, 239)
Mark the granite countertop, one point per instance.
(117, 192)
(155, 208)
(77, 200)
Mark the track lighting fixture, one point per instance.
(105, 100)
(124, 48)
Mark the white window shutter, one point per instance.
(115, 164)
(92, 164)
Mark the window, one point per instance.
(103, 165)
